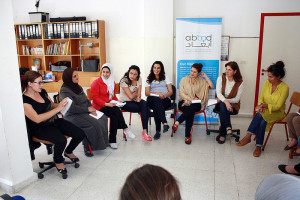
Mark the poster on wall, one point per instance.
(198, 40)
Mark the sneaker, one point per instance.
(147, 137)
(128, 133)
(113, 145)
(166, 128)
(156, 136)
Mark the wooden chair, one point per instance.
(295, 99)
(52, 87)
(201, 111)
(50, 164)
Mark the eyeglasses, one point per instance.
(40, 83)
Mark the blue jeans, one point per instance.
(224, 116)
(138, 107)
(257, 127)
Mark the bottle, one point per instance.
(50, 65)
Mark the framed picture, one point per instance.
(225, 48)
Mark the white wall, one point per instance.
(241, 21)
(15, 168)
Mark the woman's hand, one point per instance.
(110, 104)
(228, 105)
(62, 104)
(92, 110)
(203, 75)
(138, 99)
(161, 95)
(260, 108)
(218, 100)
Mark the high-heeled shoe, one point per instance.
(74, 160)
(175, 127)
(287, 147)
(188, 140)
(62, 171)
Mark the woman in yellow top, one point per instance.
(271, 106)
(192, 87)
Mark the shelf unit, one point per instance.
(96, 52)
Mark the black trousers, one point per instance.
(188, 114)
(116, 121)
(138, 107)
(56, 134)
(159, 107)
(297, 167)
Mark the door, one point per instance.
(279, 40)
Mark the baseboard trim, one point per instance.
(7, 185)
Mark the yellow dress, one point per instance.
(275, 101)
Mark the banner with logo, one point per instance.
(198, 40)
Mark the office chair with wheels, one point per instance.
(237, 131)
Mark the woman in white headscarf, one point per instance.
(103, 92)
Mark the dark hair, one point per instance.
(151, 76)
(29, 76)
(198, 67)
(105, 67)
(150, 182)
(235, 67)
(126, 75)
(277, 69)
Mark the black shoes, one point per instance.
(166, 128)
(282, 168)
(220, 141)
(74, 160)
(87, 152)
(156, 136)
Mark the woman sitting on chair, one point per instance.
(229, 89)
(158, 89)
(293, 121)
(43, 123)
(192, 87)
(80, 111)
(103, 92)
(130, 93)
(271, 106)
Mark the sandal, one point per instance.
(287, 147)
(62, 171)
(74, 160)
(229, 131)
(221, 141)
(188, 140)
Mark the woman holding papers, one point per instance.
(81, 113)
(43, 123)
(105, 100)
(229, 89)
(158, 89)
(193, 91)
(271, 106)
(130, 93)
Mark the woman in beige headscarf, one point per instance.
(192, 87)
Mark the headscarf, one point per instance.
(110, 82)
(67, 78)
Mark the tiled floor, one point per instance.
(204, 169)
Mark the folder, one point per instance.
(54, 31)
(66, 26)
(89, 29)
(77, 30)
(93, 29)
(20, 32)
(50, 31)
(96, 26)
(58, 30)
(25, 32)
(40, 31)
(33, 31)
(83, 29)
(62, 32)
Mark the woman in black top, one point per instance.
(42, 121)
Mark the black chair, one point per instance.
(237, 131)
(35, 143)
(172, 107)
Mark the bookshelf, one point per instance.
(42, 41)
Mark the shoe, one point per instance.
(128, 133)
(295, 154)
(175, 127)
(243, 142)
(220, 141)
(49, 148)
(282, 168)
(257, 152)
(188, 140)
(87, 152)
(218, 137)
(113, 145)
(229, 131)
(62, 171)
(156, 136)
(166, 128)
(147, 137)
(74, 160)
(287, 147)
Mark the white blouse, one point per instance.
(228, 88)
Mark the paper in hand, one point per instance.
(99, 114)
(67, 107)
(211, 102)
(117, 103)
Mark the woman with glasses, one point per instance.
(43, 123)
(81, 113)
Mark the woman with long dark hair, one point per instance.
(271, 106)
(229, 89)
(130, 93)
(158, 89)
(42, 121)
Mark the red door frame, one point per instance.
(261, 34)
